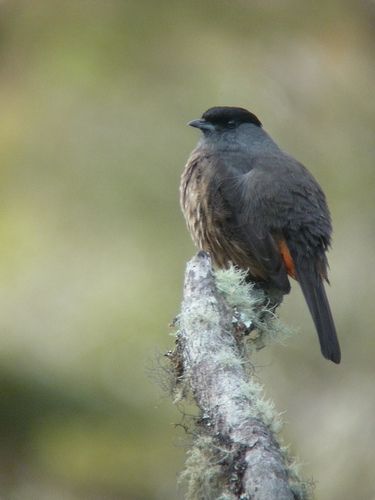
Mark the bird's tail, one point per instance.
(317, 301)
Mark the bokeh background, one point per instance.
(94, 99)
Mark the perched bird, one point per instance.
(249, 203)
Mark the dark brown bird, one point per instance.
(249, 203)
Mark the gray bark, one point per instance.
(213, 368)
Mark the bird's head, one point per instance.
(223, 119)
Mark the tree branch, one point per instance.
(236, 454)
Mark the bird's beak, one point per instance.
(201, 124)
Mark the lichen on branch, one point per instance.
(237, 452)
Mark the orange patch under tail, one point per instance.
(287, 258)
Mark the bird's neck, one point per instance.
(258, 142)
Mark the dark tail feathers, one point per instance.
(316, 298)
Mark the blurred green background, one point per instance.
(94, 99)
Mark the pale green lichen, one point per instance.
(261, 407)
(203, 472)
(226, 358)
(200, 312)
(251, 307)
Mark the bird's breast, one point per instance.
(194, 203)
(207, 216)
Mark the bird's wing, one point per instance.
(289, 201)
(248, 197)
(279, 204)
(279, 194)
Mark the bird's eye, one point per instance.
(231, 124)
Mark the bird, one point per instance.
(248, 203)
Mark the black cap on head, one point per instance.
(221, 115)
